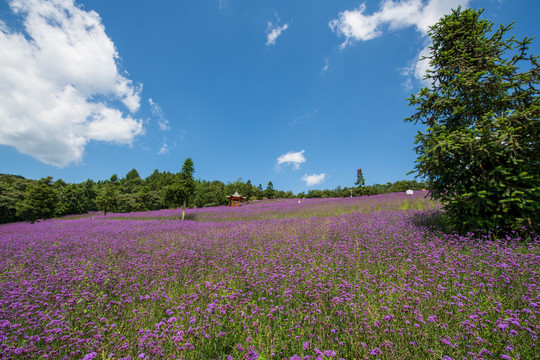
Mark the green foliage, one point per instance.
(131, 183)
(127, 202)
(480, 151)
(158, 181)
(270, 192)
(186, 177)
(249, 190)
(146, 199)
(237, 185)
(209, 193)
(158, 191)
(89, 196)
(404, 185)
(260, 193)
(181, 190)
(133, 175)
(12, 190)
(71, 200)
(175, 194)
(107, 200)
(7, 204)
(39, 201)
(360, 181)
(398, 186)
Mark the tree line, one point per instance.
(29, 200)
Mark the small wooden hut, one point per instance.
(235, 199)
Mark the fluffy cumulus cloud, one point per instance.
(60, 86)
(314, 179)
(292, 158)
(356, 25)
(273, 32)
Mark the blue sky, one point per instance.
(300, 93)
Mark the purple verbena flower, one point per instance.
(90, 356)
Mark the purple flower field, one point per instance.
(350, 278)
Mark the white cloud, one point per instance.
(314, 179)
(182, 134)
(417, 69)
(326, 64)
(421, 65)
(273, 32)
(167, 145)
(292, 158)
(158, 112)
(164, 149)
(58, 81)
(304, 117)
(222, 4)
(355, 25)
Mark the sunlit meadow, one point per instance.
(352, 278)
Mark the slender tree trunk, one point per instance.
(183, 209)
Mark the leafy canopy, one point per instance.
(181, 190)
(39, 201)
(107, 200)
(480, 151)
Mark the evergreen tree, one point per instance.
(260, 193)
(249, 191)
(270, 192)
(480, 152)
(359, 178)
(182, 190)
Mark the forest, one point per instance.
(28, 200)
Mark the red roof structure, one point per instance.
(235, 199)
